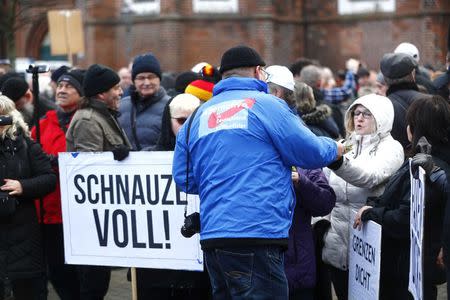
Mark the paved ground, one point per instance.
(120, 288)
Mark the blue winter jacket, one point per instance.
(243, 143)
(148, 117)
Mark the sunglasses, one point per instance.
(180, 121)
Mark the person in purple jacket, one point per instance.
(314, 198)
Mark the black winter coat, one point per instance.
(392, 212)
(401, 96)
(20, 239)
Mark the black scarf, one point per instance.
(402, 86)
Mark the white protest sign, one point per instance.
(417, 211)
(126, 213)
(364, 262)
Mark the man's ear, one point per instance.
(28, 96)
(100, 96)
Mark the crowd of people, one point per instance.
(285, 159)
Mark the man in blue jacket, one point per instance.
(242, 146)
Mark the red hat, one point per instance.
(201, 89)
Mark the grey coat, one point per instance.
(94, 128)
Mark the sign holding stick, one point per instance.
(125, 213)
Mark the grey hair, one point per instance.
(7, 107)
(311, 75)
(304, 97)
(239, 72)
(288, 95)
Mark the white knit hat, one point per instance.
(183, 105)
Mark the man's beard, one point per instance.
(27, 112)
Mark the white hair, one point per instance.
(7, 107)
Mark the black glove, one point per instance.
(120, 152)
(336, 164)
(423, 146)
(423, 160)
(53, 160)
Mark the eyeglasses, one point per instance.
(180, 121)
(143, 78)
(366, 114)
(265, 73)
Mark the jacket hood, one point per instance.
(380, 107)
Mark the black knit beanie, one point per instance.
(240, 56)
(75, 78)
(99, 79)
(58, 72)
(5, 77)
(145, 63)
(15, 88)
(183, 80)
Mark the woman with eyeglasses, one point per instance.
(372, 157)
(25, 174)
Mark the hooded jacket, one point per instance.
(242, 145)
(314, 198)
(365, 169)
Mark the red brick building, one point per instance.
(184, 32)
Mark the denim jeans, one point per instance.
(255, 272)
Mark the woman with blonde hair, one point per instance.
(25, 174)
(361, 173)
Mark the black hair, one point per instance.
(297, 66)
(166, 140)
(430, 117)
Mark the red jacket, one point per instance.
(53, 140)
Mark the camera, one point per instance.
(38, 69)
(191, 225)
(5, 120)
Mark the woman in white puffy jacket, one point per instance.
(361, 173)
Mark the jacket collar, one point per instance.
(102, 108)
(240, 83)
(402, 86)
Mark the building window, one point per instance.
(141, 7)
(215, 6)
(346, 7)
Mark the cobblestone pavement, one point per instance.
(120, 288)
